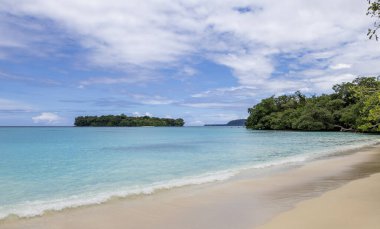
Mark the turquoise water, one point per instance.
(51, 168)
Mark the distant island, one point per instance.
(124, 120)
(354, 106)
(237, 122)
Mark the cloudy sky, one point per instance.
(204, 61)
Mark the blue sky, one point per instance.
(206, 62)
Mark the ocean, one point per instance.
(53, 168)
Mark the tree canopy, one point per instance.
(123, 120)
(353, 106)
(374, 11)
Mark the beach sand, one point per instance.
(355, 205)
(295, 196)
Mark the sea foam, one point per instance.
(37, 208)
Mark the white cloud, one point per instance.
(325, 82)
(114, 32)
(47, 118)
(189, 71)
(138, 114)
(250, 69)
(135, 35)
(340, 66)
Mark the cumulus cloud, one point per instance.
(340, 66)
(249, 37)
(250, 69)
(114, 32)
(47, 118)
(137, 114)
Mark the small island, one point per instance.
(126, 121)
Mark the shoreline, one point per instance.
(39, 208)
(242, 203)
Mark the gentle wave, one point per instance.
(38, 208)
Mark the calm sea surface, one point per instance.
(53, 168)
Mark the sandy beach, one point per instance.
(355, 205)
(334, 192)
(177, 114)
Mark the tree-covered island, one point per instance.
(123, 120)
(354, 106)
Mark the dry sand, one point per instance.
(355, 205)
(246, 202)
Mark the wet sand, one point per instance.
(245, 202)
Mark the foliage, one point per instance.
(237, 122)
(123, 120)
(370, 119)
(353, 106)
(374, 11)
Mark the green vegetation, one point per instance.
(123, 120)
(353, 106)
(237, 122)
(374, 11)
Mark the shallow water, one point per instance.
(51, 168)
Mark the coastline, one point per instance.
(240, 203)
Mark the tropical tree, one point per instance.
(374, 11)
(353, 106)
(123, 120)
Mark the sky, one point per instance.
(203, 61)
